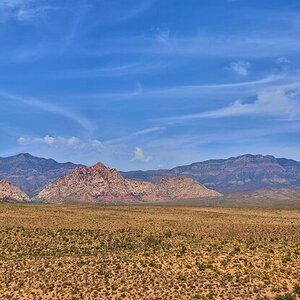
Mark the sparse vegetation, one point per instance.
(111, 252)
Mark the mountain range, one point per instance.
(248, 174)
(31, 173)
(242, 174)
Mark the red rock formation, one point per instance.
(178, 188)
(9, 192)
(101, 184)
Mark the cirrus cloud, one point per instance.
(240, 68)
(22, 10)
(273, 103)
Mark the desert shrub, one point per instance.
(287, 296)
(168, 234)
(287, 259)
(152, 264)
(201, 266)
(297, 289)
(224, 263)
(182, 250)
(152, 241)
(237, 249)
(181, 277)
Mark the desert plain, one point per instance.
(148, 252)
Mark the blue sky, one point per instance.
(146, 84)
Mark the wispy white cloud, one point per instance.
(73, 143)
(194, 91)
(282, 60)
(52, 108)
(23, 10)
(273, 103)
(266, 44)
(133, 135)
(140, 156)
(137, 10)
(240, 67)
(199, 89)
(113, 70)
(163, 36)
(149, 130)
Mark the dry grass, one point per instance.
(107, 252)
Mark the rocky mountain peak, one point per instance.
(100, 167)
(24, 156)
(99, 183)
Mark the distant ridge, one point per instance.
(245, 173)
(31, 173)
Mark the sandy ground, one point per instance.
(138, 252)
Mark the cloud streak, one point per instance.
(137, 10)
(51, 108)
(149, 130)
(22, 10)
(195, 91)
(274, 44)
(275, 103)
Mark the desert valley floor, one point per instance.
(157, 252)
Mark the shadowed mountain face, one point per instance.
(99, 183)
(245, 173)
(32, 174)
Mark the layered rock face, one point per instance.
(101, 184)
(11, 193)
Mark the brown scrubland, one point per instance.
(148, 252)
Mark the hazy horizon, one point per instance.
(126, 170)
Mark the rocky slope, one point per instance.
(31, 173)
(245, 173)
(178, 188)
(101, 184)
(11, 193)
